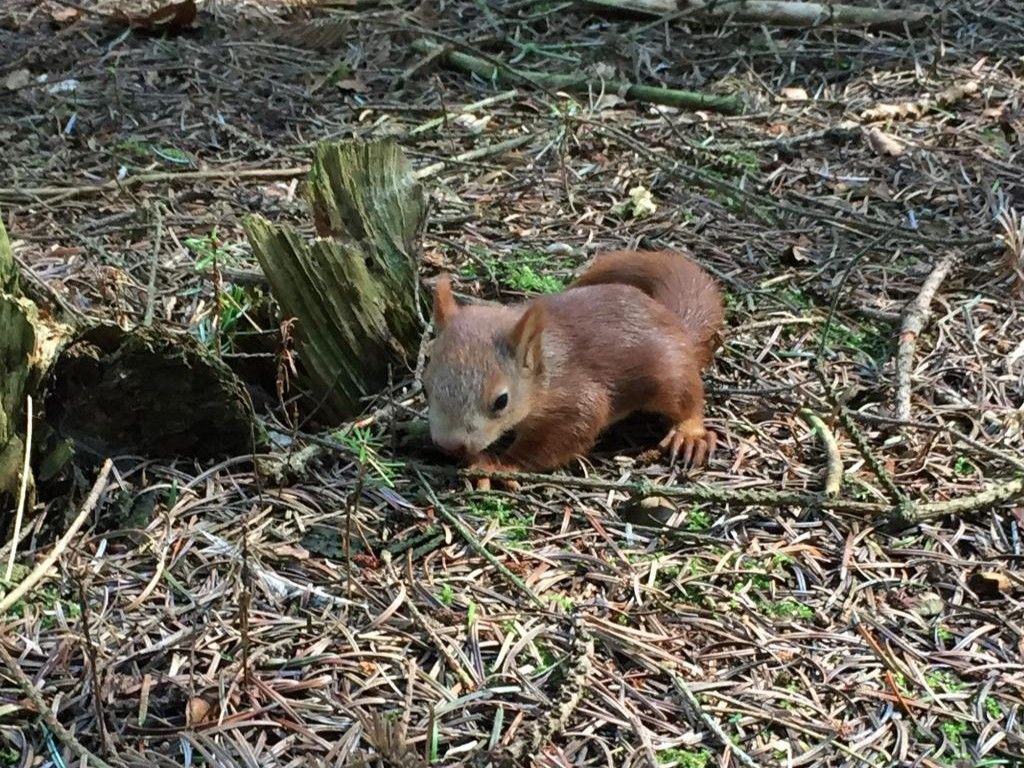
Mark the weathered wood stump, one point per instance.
(354, 291)
(100, 390)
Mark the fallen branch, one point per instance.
(534, 738)
(997, 494)
(61, 193)
(476, 546)
(580, 83)
(908, 513)
(834, 474)
(40, 572)
(774, 12)
(36, 697)
(915, 317)
(697, 716)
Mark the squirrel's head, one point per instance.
(485, 367)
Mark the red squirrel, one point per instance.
(633, 333)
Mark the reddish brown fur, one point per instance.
(633, 333)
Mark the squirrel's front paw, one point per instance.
(486, 463)
(692, 440)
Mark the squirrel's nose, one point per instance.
(455, 448)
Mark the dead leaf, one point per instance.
(291, 551)
(608, 101)
(472, 123)
(197, 711)
(989, 585)
(798, 252)
(795, 94)
(171, 17)
(929, 604)
(19, 78)
(885, 144)
(64, 15)
(351, 84)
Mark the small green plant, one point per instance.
(209, 251)
(172, 155)
(945, 681)
(546, 658)
(366, 447)
(864, 337)
(954, 730)
(446, 595)
(516, 526)
(963, 466)
(698, 520)
(901, 682)
(943, 634)
(993, 708)
(9, 756)
(133, 146)
(565, 603)
(684, 758)
(521, 271)
(48, 600)
(787, 609)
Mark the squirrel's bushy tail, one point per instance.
(671, 279)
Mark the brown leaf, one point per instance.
(197, 711)
(989, 585)
(173, 16)
(884, 144)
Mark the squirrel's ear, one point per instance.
(525, 338)
(444, 302)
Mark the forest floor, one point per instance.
(205, 618)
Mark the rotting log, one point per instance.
(101, 390)
(779, 13)
(183, 401)
(354, 291)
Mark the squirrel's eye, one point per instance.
(500, 403)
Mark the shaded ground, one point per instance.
(809, 638)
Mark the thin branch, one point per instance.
(834, 474)
(915, 318)
(42, 570)
(36, 697)
(26, 473)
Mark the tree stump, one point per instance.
(354, 290)
(100, 390)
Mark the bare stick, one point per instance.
(834, 475)
(479, 153)
(60, 193)
(42, 570)
(699, 716)
(781, 13)
(23, 492)
(36, 697)
(915, 317)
